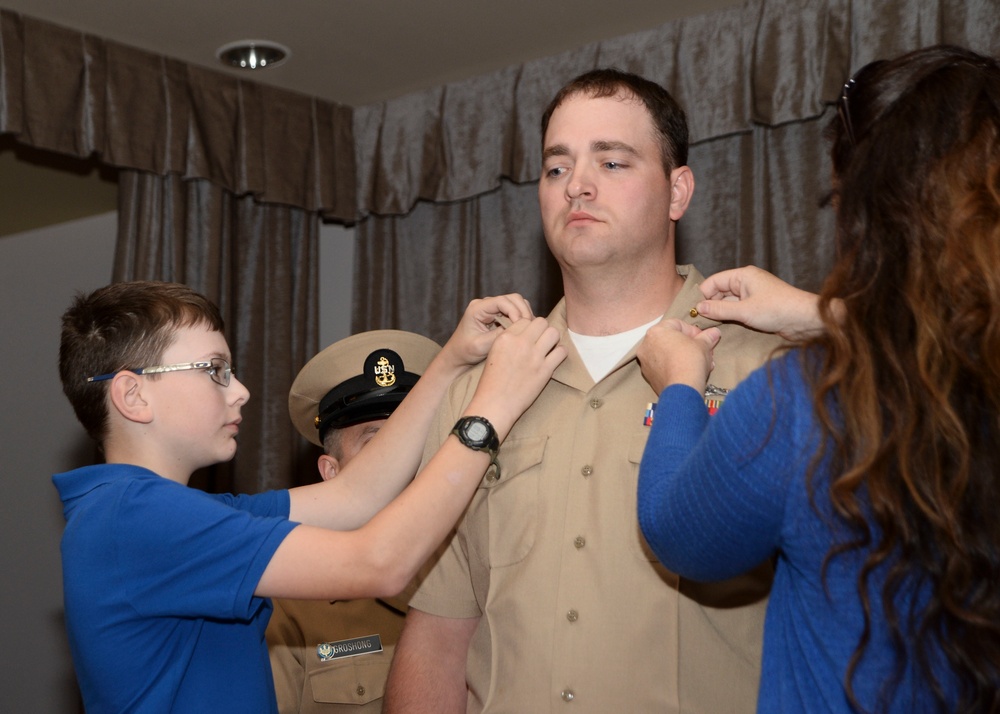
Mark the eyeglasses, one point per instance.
(844, 109)
(218, 369)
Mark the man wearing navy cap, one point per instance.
(334, 656)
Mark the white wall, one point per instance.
(336, 272)
(40, 272)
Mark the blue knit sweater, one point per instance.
(718, 495)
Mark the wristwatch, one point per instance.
(478, 434)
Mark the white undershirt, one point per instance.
(601, 353)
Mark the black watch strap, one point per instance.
(478, 434)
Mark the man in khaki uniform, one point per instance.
(333, 657)
(548, 596)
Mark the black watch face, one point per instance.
(476, 431)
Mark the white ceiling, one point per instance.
(358, 52)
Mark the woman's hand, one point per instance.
(758, 299)
(674, 352)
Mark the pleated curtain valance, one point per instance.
(764, 62)
(72, 93)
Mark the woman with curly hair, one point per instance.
(866, 461)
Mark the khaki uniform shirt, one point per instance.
(574, 607)
(347, 683)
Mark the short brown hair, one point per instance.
(122, 326)
(666, 113)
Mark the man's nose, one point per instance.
(580, 185)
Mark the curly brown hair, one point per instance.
(908, 388)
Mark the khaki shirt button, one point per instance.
(595, 403)
(579, 541)
(361, 690)
(567, 695)
(587, 470)
(572, 616)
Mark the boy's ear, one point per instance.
(681, 190)
(127, 397)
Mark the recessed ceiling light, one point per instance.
(252, 54)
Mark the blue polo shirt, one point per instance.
(158, 581)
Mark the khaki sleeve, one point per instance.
(446, 587)
(286, 648)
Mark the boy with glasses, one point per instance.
(167, 588)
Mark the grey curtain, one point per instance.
(258, 262)
(757, 201)
(758, 82)
(227, 178)
(419, 271)
(222, 185)
(766, 62)
(72, 93)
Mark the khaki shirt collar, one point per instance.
(573, 373)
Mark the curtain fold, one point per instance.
(418, 272)
(76, 94)
(226, 178)
(258, 262)
(758, 83)
(756, 201)
(764, 62)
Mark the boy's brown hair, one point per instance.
(122, 326)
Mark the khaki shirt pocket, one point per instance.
(512, 500)
(351, 682)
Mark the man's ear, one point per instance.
(329, 466)
(681, 190)
(127, 397)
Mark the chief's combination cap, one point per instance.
(360, 378)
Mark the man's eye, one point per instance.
(555, 172)
(613, 165)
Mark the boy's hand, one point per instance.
(520, 364)
(479, 327)
(674, 352)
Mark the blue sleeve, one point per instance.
(712, 490)
(268, 503)
(194, 554)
